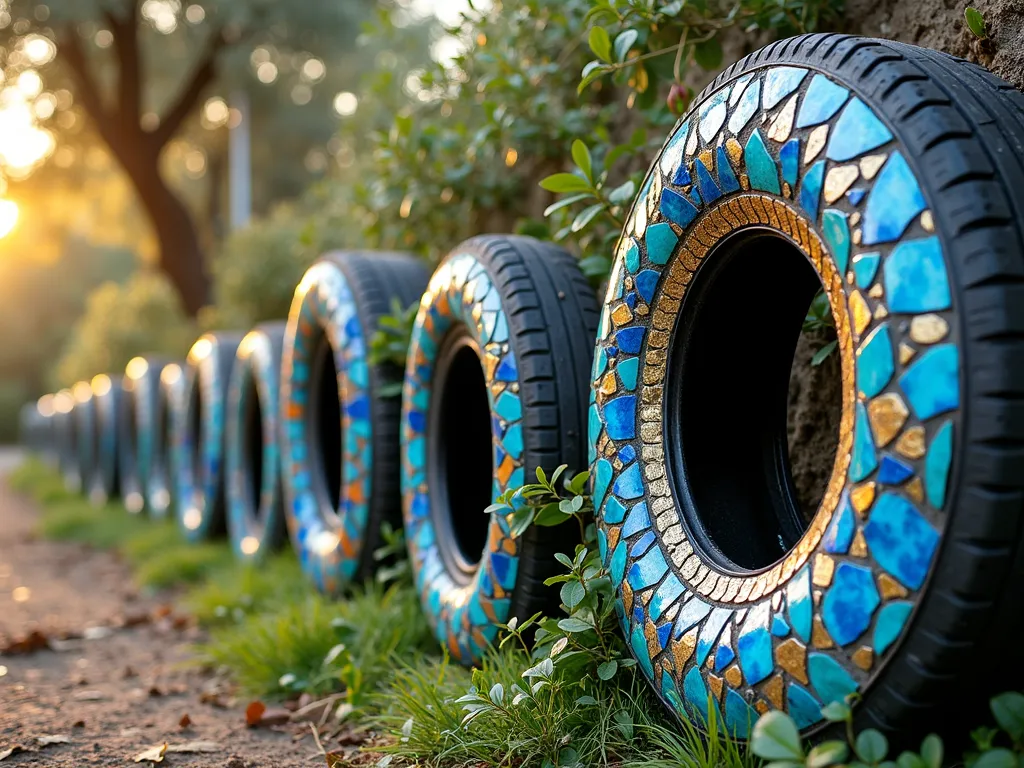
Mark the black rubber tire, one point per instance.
(65, 438)
(534, 315)
(255, 497)
(84, 416)
(140, 387)
(342, 297)
(107, 395)
(161, 485)
(198, 456)
(961, 132)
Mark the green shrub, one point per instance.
(121, 321)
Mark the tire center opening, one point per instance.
(459, 454)
(131, 438)
(751, 424)
(252, 445)
(325, 425)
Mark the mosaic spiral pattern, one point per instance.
(464, 618)
(329, 546)
(200, 484)
(140, 384)
(794, 150)
(106, 393)
(257, 363)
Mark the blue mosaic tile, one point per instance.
(675, 207)
(628, 370)
(810, 189)
(620, 417)
(710, 631)
(936, 465)
(681, 177)
(839, 533)
(746, 107)
(858, 130)
(803, 707)
(726, 176)
(602, 476)
(696, 694)
(761, 168)
(893, 471)
(900, 539)
(647, 283)
(789, 156)
(712, 115)
(864, 460)
(629, 340)
(865, 267)
(799, 605)
(691, 613)
(724, 656)
(875, 364)
(831, 681)
(779, 82)
(706, 183)
(649, 569)
(669, 591)
(614, 511)
(780, 627)
(822, 100)
(638, 641)
(661, 240)
(915, 277)
(849, 603)
(637, 520)
(739, 716)
(617, 566)
(508, 406)
(632, 257)
(855, 195)
(932, 383)
(754, 645)
(837, 234)
(513, 441)
(895, 200)
(626, 454)
(891, 620)
(629, 484)
(672, 155)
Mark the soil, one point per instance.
(126, 676)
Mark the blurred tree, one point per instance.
(121, 62)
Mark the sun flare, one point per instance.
(8, 217)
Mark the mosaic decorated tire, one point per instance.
(255, 499)
(198, 450)
(136, 428)
(167, 422)
(495, 386)
(339, 427)
(106, 397)
(891, 178)
(66, 440)
(84, 417)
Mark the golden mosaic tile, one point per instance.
(864, 657)
(715, 684)
(861, 313)
(819, 635)
(887, 414)
(815, 142)
(824, 567)
(838, 180)
(782, 126)
(928, 329)
(889, 588)
(762, 707)
(859, 547)
(876, 291)
(621, 314)
(906, 353)
(791, 656)
(734, 676)
(912, 443)
(915, 489)
(773, 691)
(871, 164)
(682, 649)
(927, 222)
(881, 312)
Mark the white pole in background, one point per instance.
(240, 161)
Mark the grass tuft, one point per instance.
(232, 594)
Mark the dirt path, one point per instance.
(112, 692)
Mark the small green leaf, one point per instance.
(623, 42)
(822, 354)
(600, 43)
(586, 216)
(572, 594)
(565, 182)
(776, 737)
(586, 701)
(910, 760)
(591, 72)
(975, 22)
(836, 712)
(622, 193)
(573, 624)
(708, 54)
(581, 156)
(1008, 710)
(566, 201)
(826, 754)
(997, 758)
(563, 559)
(607, 670)
(931, 751)
(871, 746)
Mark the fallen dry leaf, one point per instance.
(5, 753)
(152, 755)
(274, 716)
(30, 643)
(56, 738)
(254, 713)
(78, 724)
(185, 721)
